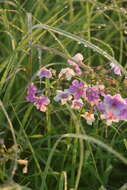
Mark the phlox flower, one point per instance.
(115, 103)
(115, 68)
(41, 103)
(101, 107)
(66, 73)
(113, 108)
(31, 92)
(125, 99)
(78, 58)
(77, 104)
(92, 95)
(43, 72)
(123, 113)
(89, 117)
(110, 117)
(77, 89)
(63, 96)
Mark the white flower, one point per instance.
(67, 73)
(78, 57)
(89, 117)
(115, 68)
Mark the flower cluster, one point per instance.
(79, 95)
(32, 92)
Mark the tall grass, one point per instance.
(63, 152)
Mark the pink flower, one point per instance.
(41, 103)
(78, 59)
(110, 117)
(43, 72)
(116, 69)
(77, 104)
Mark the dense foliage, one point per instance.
(63, 94)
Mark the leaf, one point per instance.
(81, 41)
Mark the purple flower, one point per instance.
(77, 89)
(115, 103)
(123, 113)
(41, 103)
(92, 95)
(43, 72)
(31, 92)
(101, 107)
(116, 69)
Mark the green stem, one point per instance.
(78, 132)
(48, 115)
(14, 138)
(29, 23)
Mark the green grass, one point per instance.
(63, 152)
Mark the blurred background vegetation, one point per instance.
(26, 133)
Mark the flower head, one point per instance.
(77, 104)
(31, 92)
(78, 60)
(123, 113)
(77, 89)
(43, 72)
(92, 95)
(89, 117)
(115, 68)
(114, 103)
(66, 73)
(113, 108)
(110, 117)
(63, 96)
(41, 103)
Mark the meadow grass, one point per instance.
(57, 149)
